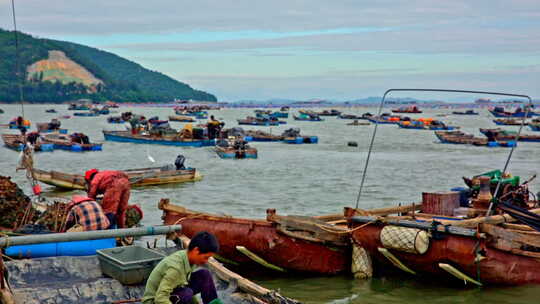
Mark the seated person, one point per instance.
(173, 279)
(179, 162)
(86, 212)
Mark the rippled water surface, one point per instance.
(304, 179)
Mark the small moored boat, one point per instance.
(137, 177)
(168, 140)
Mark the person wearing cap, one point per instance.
(86, 212)
(115, 187)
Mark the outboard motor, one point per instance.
(179, 162)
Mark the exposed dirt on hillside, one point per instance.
(60, 68)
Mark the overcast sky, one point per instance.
(306, 49)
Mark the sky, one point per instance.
(337, 50)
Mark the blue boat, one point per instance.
(238, 149)
(61, 131)
(305, 117)
(301, 140)
(86, 114)
(253, 121)
(280, 114)
(421, 126)
(126, 136)
(534, 127)
(519, 112)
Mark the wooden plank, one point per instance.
(498, 232)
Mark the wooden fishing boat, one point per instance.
(458, 137)
(255, 121)
(86, 114)
(257, 135)
(409, 109)
(16, 142)
(138, 177)
(332, 112)
(467, 112)
(534, 126)
(81, 280)
(50, 111)
(45, 128)
(357, 123)
(508, 122)
(501, 112)
(75, 107)
(481, 251)
(426, 124)
(283, 243)
(181, 118)
(308, 117)
(301, 140)
(364, 116)
(500, 134)
(169, 140)
(385, 119)
(237, 148)
(64, 142)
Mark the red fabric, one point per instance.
(103, 180)
(88, 174)
(115, 199)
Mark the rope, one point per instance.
(17, 64)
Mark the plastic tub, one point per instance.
(129, 265)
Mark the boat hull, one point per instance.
(262, 238)
(121, 136)
(138, 178)
(499, 267)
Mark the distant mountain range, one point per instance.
(367, 100)
(59, 71)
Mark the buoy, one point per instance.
(352, 144)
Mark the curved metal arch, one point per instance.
(447, 91)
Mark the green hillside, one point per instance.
(123, 80)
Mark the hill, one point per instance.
(59, 71)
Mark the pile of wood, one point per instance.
(15, 206)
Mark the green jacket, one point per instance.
(173, 271)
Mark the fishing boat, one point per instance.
(169, 140)
(86, 114)
(500, 134)
(87, 279)
(508, 122)
(364, 116)
(181, 118)
(357, 123)
(535, 126)
(281, 243)
(76, 142)
(308, 117)
(75, 107)
(255, 121)
(458, 137)
(257, 135)
(385, 119)
(426, 124)
(501, 112)
(467, 112)
(409, 109)
(17, 142)
(115, 120)
(301, 140)
(137, 177)
(332, 112)
(280, 114)
(235, 148)
(50, 111)
(50, 128)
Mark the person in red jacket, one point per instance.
(115, 187)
